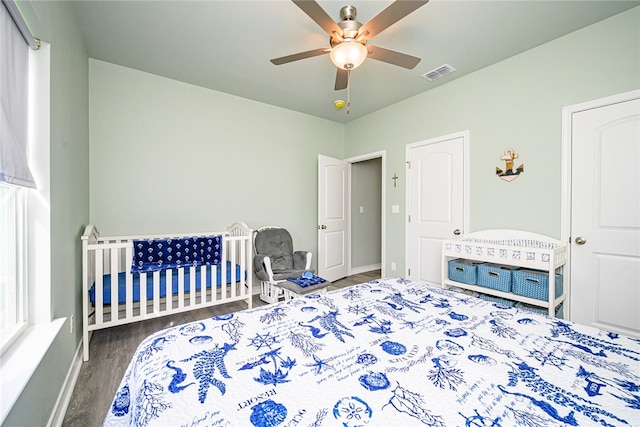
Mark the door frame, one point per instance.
(566, 171)
(382, 155)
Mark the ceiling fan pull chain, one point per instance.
(348, 91)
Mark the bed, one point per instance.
(391, 352)
(131, 278)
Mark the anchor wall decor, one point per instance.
(509, 174)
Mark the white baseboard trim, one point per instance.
(364, 269)
(64, 398)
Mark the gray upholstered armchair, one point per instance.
(275, 261)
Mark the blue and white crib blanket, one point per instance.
(163, 254)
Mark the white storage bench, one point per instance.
(511, 248)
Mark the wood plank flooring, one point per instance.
(111, 351)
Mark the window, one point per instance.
(13, 309)
(15, 176)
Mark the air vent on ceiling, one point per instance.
(441, 71)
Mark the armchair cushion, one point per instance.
(299, 290)
(300, 260)
(277, 245)
(289, 274)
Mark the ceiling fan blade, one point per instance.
(299, 56)
(389, 16)
(319, 16)
(392, 57)
(342, 79)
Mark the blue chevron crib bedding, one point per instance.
(390, 352)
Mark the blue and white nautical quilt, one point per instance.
(390, 352)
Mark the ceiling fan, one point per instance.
(348, 38)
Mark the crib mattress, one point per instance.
(121, 283)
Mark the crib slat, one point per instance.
(98, 289)
(181, 288)
(203, 284)
(223, 277)
(214, 283)
(156, 292)
(128, 282)
(222, 267)
(169, 290)
(242, 280)
(143, 294)
(115, 277)
(213, 295)
(232, 273)
(192, 286)
(209, 295)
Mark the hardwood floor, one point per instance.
(111, 351)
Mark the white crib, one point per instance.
(108, 259)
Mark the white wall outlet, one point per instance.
(71, 322)
(395, 208)
(361, 209)
(393, 266)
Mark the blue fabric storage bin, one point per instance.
(541, 310)
(463, 271)
(497, 300)
(495, 276)
(534, 284)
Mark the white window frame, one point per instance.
(22, 358)
(31, 343)
(15, 220)
(16, 264)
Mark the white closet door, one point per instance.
(435, 202)
(605, 217)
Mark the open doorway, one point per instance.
(366, 219)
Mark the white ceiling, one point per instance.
(226, 45)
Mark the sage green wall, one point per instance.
(366, 245)
(54, 22)
(167, 156)
(515, 103)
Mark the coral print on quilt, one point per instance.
(390, 352)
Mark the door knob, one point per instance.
(457, 232)
(322, 227)
(580, 240)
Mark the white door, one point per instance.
(435, 202)
(332, 218)
(605, 216)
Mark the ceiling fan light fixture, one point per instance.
(348, 55)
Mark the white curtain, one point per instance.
(14, 73)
